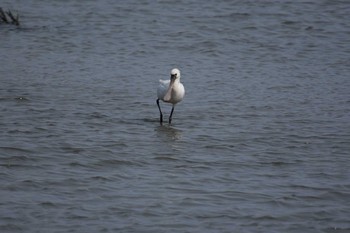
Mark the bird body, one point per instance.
(176, 93)
(170, 91)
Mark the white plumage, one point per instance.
(170, 91)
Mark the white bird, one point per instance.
(170, 91)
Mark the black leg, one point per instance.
(171, 114)
(160, 112)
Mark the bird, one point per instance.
(170, 91)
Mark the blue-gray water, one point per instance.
(261, 142)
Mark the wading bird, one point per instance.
(170, 91)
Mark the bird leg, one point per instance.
(160, 111)
(171, 114)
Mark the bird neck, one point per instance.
(176, 81)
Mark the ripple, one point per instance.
(260, 142)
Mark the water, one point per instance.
(259, 144)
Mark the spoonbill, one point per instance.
(170, 91)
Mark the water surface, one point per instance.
(259, 144)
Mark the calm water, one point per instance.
(261, 142)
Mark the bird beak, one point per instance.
(167, 96)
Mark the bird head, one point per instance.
(175, 73)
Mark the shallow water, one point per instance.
(259, 144)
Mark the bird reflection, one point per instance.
(169, 133)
